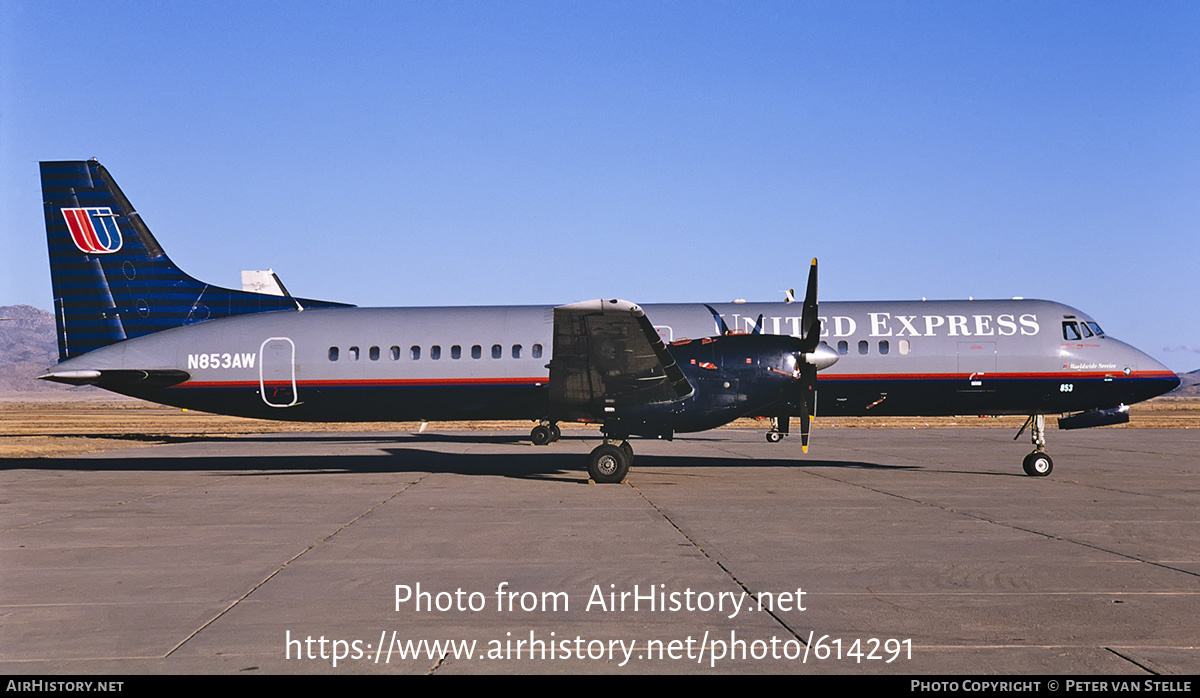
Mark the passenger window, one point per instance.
(353, 353)
(904, 347)
(415, 353)
(435, 352)
(863, 347)
(333, 353)
(476, 352)
(884, 347)
(537, 351)
(843, 347)
(373, 353)
(1070, 331)
(516, 354)
(497, 351)
(395, 353)
(456, 352)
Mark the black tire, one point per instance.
(628, 449)
(555, 433)
(774, 437)
(608, 464)
(1038, 464)
(540, 435)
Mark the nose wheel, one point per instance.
(1038, 463)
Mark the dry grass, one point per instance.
(65, 424)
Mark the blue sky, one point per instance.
(445, 153)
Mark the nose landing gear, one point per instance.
(1038, 463)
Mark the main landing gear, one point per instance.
(545, 433)
(779, 429)
(1038, 463)
(609, 462)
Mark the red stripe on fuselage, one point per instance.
(536, 381)
(1057, 375)
(378, 383)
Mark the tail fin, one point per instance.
(112, 281)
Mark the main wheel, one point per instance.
(608, 463)
(774, 437)
(628, 449)
(555, 433)
(1038, 464)
(541, 435)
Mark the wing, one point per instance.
(607, 356)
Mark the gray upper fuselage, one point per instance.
(880, 337)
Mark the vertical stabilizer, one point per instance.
(111, 278)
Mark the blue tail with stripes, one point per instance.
(112, 281)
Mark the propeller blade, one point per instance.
(808, 402)
(810, 325)
(805, 421)
(722, 328)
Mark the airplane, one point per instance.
(130, 321)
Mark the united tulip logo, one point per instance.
(93, 230)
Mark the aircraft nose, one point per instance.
(1153, 377)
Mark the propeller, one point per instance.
(813, 357)
(810, 336)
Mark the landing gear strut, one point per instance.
(1038, 463)
(545, 433)
(609, 462)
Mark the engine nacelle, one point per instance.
(733, 376)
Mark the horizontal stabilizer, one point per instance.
(262, 281)
(115, 378)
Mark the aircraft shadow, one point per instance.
(325, 437)
(539, 465)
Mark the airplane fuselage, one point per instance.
(449, 363)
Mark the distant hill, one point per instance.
(27, 348)
(1190, 385)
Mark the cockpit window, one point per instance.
(1086, 332)
(1070, 331)
(1095, 328)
